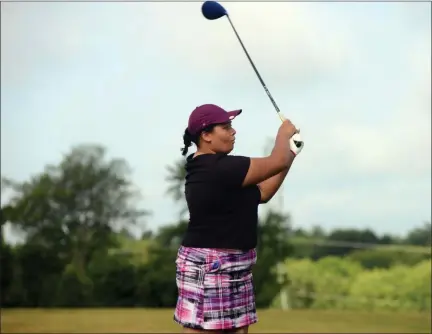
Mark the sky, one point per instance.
(354, 77)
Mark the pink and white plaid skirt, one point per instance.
(215, 288)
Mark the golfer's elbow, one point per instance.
(265, 195)
(264, 200)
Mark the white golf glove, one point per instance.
(296, 144)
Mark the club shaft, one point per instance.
(255, 69)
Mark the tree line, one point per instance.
(76, 216)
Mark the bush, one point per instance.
(74, 290)
(341, 283)
(301, 284)
(334, 278)
(315, 284)
(398, 288)
(417, 290)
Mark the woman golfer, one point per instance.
(214, 262)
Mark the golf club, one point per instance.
(212, 10)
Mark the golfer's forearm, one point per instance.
(270, 186)
(281, 151)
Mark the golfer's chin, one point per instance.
(226, 148)
(230, 148)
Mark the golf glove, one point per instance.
(296, 144)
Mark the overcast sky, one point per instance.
(355, 77)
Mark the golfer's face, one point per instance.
(224, 137)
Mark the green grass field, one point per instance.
(158, 320)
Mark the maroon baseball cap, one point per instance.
(209, 114)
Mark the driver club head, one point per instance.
(213, 10)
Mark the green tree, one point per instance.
(176, 184)
(156, 285)
(386, 258)
(72, 208)
(420, 236)
(7, 260)
(170, 236)
(36, 273)
(341, 242)
(273, 247)
(318, 232)
(387, 239)
(115, 279)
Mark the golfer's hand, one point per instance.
(287, 129)
(296, 144)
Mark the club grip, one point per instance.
(282, 117)
(297, 141)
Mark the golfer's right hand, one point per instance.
(289, 131)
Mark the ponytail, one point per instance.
(187, 140)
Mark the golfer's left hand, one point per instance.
(296, 144)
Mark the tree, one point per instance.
(170, 236)
(387, 257)
(156, 284)
(318, 232)
(71, 209)
(420, 236)
(273, 247)
(387, 239)
(342, 242)
(176, 180)
(37, 272)
(7, 259)
(115, 280)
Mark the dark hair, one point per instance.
(188, 138)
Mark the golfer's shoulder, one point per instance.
(231, 169)
(224, 161)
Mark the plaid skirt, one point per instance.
(215, 289)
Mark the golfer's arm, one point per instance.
(269, 187)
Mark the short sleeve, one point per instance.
(232, 170)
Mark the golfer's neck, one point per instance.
(204, 150)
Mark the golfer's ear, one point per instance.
(261, 169)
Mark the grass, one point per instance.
(136, 320)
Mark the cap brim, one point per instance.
(233, 114)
